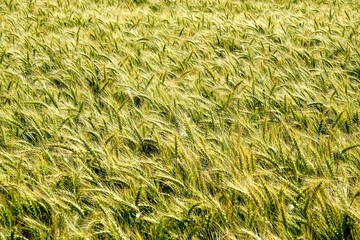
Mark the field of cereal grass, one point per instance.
(179, 119)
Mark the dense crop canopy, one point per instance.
(179, 119)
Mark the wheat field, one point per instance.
(179, 119)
